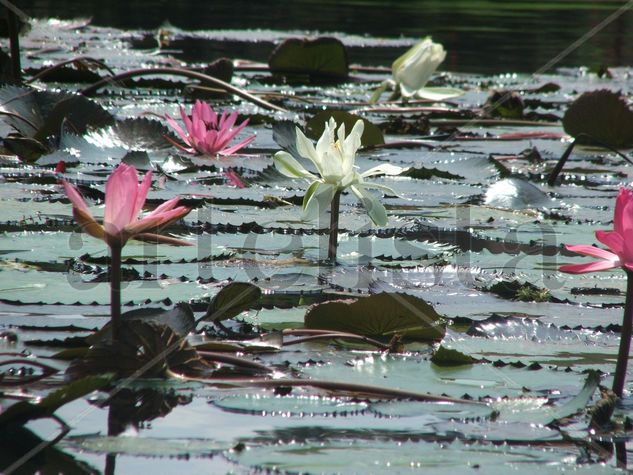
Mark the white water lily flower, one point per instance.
(413, 69)
(334, 160)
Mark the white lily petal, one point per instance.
(376, 186)
(438, 93)
(374, 208)
(384, 169)
(319, 201)
(288, 166)
(306, 149)
(413, 69)
(351, 144)
(326, 141)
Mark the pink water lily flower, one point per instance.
(207, 133)
(124, 200)
(619, 241)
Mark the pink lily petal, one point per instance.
(625, 197)
(589, 267)
(120, 199)
(166, 206)
(185, 119)
(75, 198)
(160, 239)
(203, 111)
(181, 133)
(612, 240)
(141, 194)
(231, 150)
(226, 135)
(593, 251)
(152, 222)
(88, 223)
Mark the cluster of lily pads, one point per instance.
(137, 344)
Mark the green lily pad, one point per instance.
(448, 357)
(601, 116)
(232, 300)
(380, 316)
(322, 57)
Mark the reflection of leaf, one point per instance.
(180, 319)
(600, 115)
(321, 57)
(145, 349)
(133, 407)
(16, 446)
(232, 300)
(372, 135)
(379, 315)
(448, 357)
(24, 411)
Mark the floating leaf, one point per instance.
(145, 349)
(422, 173)
(232, 300)
(379, 315)
(550, 414)
(146, 446)
(267, 404)
(41, 113)
(285, 135)
(448, 357)
(602, 116)
(323, 58)
(372, 135)
(180, 319)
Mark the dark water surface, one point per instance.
(480, 36)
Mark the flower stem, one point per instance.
(115, 290)
(625, 338)
(334, 212)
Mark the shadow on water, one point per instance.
(491, 36)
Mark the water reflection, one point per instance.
(480, 36)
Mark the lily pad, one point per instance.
(232, 300)
(380, 316)
(602, 116)
(448, 357)
(323, 58)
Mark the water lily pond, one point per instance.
(444, 341)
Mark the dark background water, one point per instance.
(480, 36)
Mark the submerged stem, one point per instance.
(625, 338)
(115, 291)
(333, 242)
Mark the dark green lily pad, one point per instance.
(379, 316)
(372, 135)
(602, 116)
(321, 58)
(448, 357)
(232, 300)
